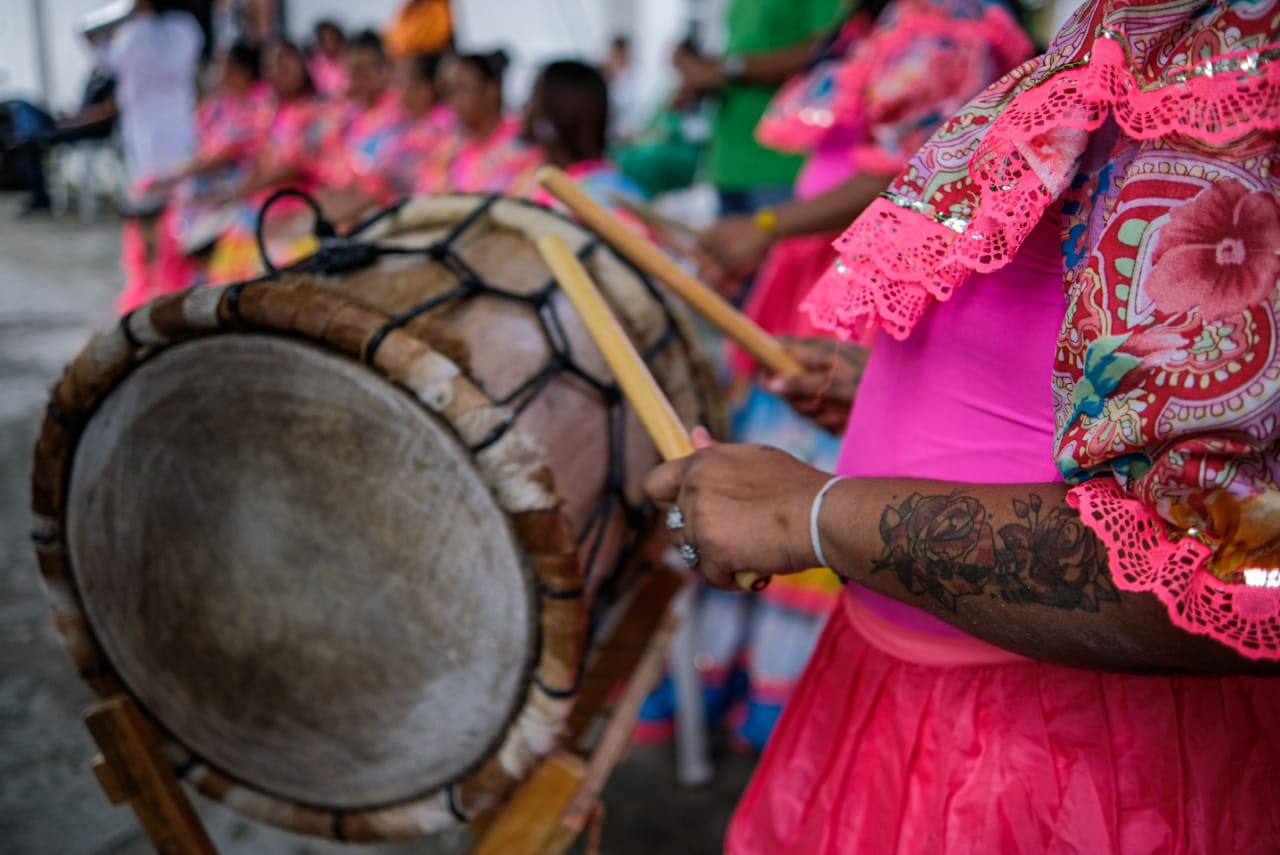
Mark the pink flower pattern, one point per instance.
(1217, 253)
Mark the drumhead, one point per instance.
(297, 570)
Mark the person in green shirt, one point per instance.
(768, 41)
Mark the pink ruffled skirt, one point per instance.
(153, 262)
(876, 754)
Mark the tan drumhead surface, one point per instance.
(298, 572)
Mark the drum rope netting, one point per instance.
(344, 253)
(202, 311)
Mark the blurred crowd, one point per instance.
(356, 120)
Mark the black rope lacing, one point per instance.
(344, 253)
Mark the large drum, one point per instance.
(343, 537)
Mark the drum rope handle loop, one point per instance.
(336, 254)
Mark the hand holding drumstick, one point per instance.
(636, 382)
(825, 390)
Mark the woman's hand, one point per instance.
(737, 244)
(825, 391)
(698, 74)
(745, 508)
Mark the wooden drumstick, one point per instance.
(718, 311)
(651, 405)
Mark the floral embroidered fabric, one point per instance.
(1153, 128)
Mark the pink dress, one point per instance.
(360, 137)
(501, 163)
(328, 75)
(867, 108)
(292, 142)
(908, 736)
(152, 254)
(412, 156)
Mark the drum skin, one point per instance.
(343, 553)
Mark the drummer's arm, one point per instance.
(1013, 565)
(766, 68)
(267, 178)
(195, 167)
(206, 165)
(824, 390)
(833, 210)
(1037, 582)
(739, 243)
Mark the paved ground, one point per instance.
(58, 280)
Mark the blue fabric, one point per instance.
(749, 201)
(29, 124)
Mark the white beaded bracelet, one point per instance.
(813, 519)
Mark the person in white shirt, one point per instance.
(624, 99)
(155, 56)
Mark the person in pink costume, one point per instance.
(416, 150)
(230, 127)
(870, 100)
(1060, 512)
(326, 65)
(229, 124)
(567, 116)
(367, 121)
(288, 156)
(489, 153)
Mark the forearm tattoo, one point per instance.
(949, 547)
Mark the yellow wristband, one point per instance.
(766, 220)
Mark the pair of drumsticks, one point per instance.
(651, 405)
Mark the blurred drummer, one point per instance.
(490, 154)
(327, 62)
(417, 150)
(367, 123)
(230, 127)
(288, 155)
(567, 117)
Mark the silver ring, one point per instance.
(690, 555)
(675, 519)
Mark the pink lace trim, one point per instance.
(1143, 558)
(896, 262)
(895, 283)
(1239, 95)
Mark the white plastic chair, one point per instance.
(92, 168)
